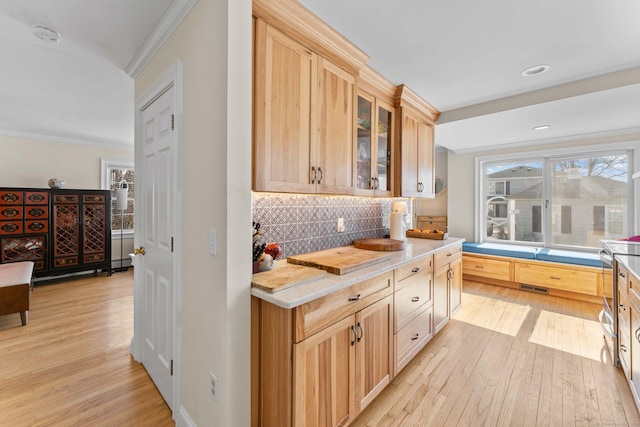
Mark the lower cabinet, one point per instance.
(322, 377)
(447, 285)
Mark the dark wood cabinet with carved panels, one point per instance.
(61, 231)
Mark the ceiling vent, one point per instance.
(45, 33)
(535, 70)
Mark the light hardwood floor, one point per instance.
(70, 366)
(507, 358)
(510, 358)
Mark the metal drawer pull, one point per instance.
(449, 254)
(623, 348)
(321, 175)
(415, 270)
(638, 334)
(622, 307)
(353, 329)
(480, 267)
(415, 299)
(355, 297)
(621, 275)
(415, 337)
(313, 178)
(361, 332)
(554, 278)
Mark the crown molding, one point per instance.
(169, 22)
(119, 145)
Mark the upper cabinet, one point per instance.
(375, 135)
(305, 79)
(415, 122)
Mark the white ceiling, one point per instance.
(465, 57)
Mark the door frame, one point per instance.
(172, 77)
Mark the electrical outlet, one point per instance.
(213, 387)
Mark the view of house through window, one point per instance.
(114, 174)
(582, 199)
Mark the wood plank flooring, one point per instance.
(507, 358)
(70, 366)
(510, 358)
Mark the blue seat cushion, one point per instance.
(525, 252)
(569, 257)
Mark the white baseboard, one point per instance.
(183, 419)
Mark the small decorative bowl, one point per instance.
(56, 183)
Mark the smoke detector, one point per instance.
(45, 33)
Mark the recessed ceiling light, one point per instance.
(542, 127)
(535, 70)
(45, 33)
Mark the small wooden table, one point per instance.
(15, 287)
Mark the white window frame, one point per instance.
(105, 166)
(628, 148)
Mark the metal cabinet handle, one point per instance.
(415, 270)
(621, 274)
(353, 329)
(554, 278)
(321, 175)
(415, 337)
(480, 267)
(622, 307)
(623, 348)
(313, 177)
(361, 332)
(637, 334)
(139, 251)
(355, 297)
(415, 299)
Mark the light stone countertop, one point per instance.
(300, 294)
(631, 262)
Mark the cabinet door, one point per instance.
(384, 147)
(365, 150)
(455, 285)
(285, 95)
(323, 376)
(635, 349)
(440, 297)
(66, 230)
(426, 174)
(336, 130)
(94, 228)
(409, 156)
(374, 359)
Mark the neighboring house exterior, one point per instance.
(577, 210)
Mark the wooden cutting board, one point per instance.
(380, 244)
(285, 277)
(340, 260)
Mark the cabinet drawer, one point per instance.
(633, 283)
(324, 311)
(565, 278)
(65, 198)
(10, 212)
(624, 347)
(11, 227)
(445, 256)
(410, 339)
(485, 267)
(36, 226)
(11, 197)
(410, 299)
(36, 198)
(35, 212)
(405, 273)
(93, 198)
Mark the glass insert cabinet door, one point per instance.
(373, 157)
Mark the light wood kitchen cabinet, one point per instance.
(375, 135)
(304, 111)
(447, 285)
(322, 362)
(415, 176)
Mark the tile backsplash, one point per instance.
(304, 223)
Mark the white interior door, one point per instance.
(156, 281)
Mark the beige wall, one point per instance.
(462, 178)
(30, 163)
(214, 44)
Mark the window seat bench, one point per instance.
(568, 274)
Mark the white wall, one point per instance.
(462, 178)
(437, 206)
(214, 44)
(30, 163)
